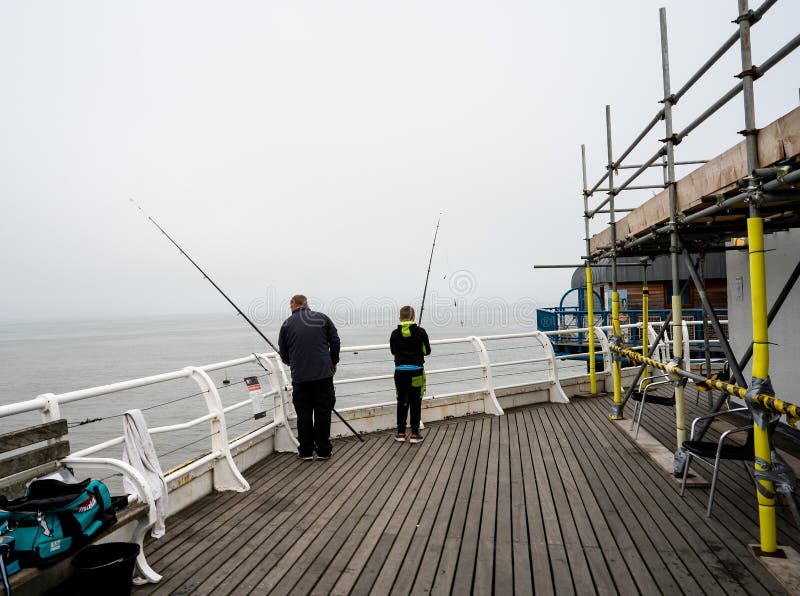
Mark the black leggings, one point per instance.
(410, 386)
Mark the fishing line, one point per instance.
(208, 436)
(238, 310)
(258, 360)
(166, 403)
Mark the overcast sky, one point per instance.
(309, 146)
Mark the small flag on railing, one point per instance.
(257, 395)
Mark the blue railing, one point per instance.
(571, 317)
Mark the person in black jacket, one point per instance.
(309, 343)
(409, 344)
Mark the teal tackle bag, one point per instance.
(54, 518)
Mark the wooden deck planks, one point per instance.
(549, 499)
(734, 480)
(655, 539)
(579, 569)
(556, 551)
(537, 538)
(343, 582)
(302, 526)
(201, 569)
(402, 528)
(465, 567)
(523, 574)
(334, 523)
(445, 515)
(485, 560)
(604, 545)
(459, 521)
(415, 565)
(706, 554)
(203, 519)
(362, 528)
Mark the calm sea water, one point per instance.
(60, 356)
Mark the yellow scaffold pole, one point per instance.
(758, 292)
(590, 325)
(617, 408)
(760, 383)
(645, 324)
(677, 352)
(617, 412)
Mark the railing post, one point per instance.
(52, 411)
(286, 403)
(226, 474)
(686, 347)
(557, 394)
(605, 349)
(144, 494)
(285, 439)
(490, 403)
(659, 353)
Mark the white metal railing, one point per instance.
(227, 476)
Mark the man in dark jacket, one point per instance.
(309, 344)
(409, 344)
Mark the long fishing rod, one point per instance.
(238, 310)
(205, 275)
(425, 291)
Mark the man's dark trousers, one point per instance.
(314, 401)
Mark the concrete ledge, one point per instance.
(785, 568)
(660, 455)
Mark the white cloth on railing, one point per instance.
(140, 453)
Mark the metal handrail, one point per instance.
(49, 405)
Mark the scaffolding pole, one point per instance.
(758, 293)
(645, 316)
(589, 290)
(757, 14)
(716, 404)
(674, 248)
(659, 337)
(616, 410)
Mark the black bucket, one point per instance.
(106, 568)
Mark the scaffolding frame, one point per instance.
(769, 190)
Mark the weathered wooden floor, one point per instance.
(549, 499)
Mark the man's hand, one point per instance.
(334, 369)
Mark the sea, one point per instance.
(59, 356)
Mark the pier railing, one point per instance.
(214, 412)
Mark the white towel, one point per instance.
(140, 453)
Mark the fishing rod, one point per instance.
(238, 310)
(425, 291)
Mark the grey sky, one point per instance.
(309, 146)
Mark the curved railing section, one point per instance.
(486, 371)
